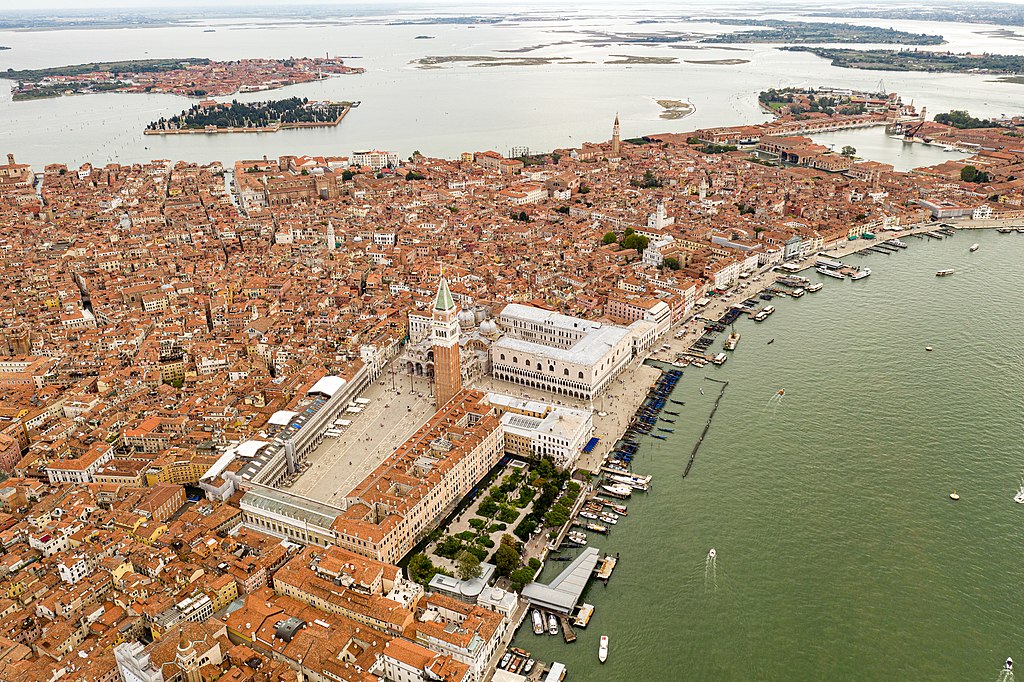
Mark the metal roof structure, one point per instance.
(562, 593)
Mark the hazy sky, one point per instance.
(141, 5)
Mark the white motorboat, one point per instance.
(814, 287)
(861, 274)
(602, 652)
(538, 622)
(1009, 664)
(974, 247)
(552, 624)
(943, 273)
(1019, 497)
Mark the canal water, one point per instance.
(840, 555)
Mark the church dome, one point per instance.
(466, 318)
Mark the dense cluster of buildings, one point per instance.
(195, 78)
(169, 333)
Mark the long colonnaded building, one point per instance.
(386, 514)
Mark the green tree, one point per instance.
(635, 241)
(969, 174)
(506, 557)
(421, 569)
(671, 263)
(520, 578)
(468, 565)
(608, 238)
(629, 231)
(849, 151)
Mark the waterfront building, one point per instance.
(470, 634)
(558, 353)
(375, 159)
(535, 430)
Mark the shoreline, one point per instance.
(764, 278)
(264, 129)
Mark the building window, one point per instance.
(581, 375)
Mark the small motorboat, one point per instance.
(1009, 664)
(953, 496)
(712, 553)
(538, 620)
(928, 348)
(602, 652)
(974, 247)
(552, 624)
(1019, 497)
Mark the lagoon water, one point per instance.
(455, 108)
(839, 553)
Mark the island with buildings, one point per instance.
(333, 413)
(799, 32)
(210, 116)
(917, 60)
(194, 77)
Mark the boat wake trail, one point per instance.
(711, 572)
(1005, 676)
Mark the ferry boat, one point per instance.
(811, 288)
(538, 622)
(552, 624)
(769, 309)
(974, 247)
(602, 652)
(943, 273)
(730, 343)
(830, 273)
(861, 274)
(897, 243)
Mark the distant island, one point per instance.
(192, 77)
(917, 60)
(978, 13)
(777, 31)
(252, 117)
(424, 38)
(4, 47)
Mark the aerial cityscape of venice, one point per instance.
(480, 340)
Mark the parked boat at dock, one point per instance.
(538, 621)
(811, 288)
(552, 624)
(617, 490)
(830, 273)
(861, 274)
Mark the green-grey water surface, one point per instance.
(839, 553)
